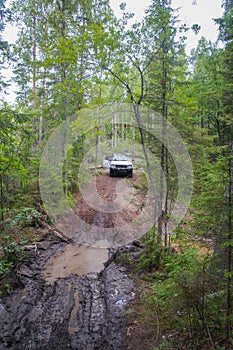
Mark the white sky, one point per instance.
(202, 14)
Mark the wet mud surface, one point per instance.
(83, 311)
(75, 259)
(71, 296)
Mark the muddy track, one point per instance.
(73, 312)
(107, 189)
(71, 309)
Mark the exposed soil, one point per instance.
(71, 296)
(107, 189)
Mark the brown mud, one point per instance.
(73, 296)
(107, 189)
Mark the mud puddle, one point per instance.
(73, 296)
(76, 259)
(84, 312)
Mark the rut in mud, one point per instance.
(72, 296)
(71, 312)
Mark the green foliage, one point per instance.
(123, 258)
(14, 154)
(10, 253)
(70, 199)
(23, 217)
(11, 242)
(190, 310)
(154, 256)
(63, 62)
(150, 259)
(6, 267)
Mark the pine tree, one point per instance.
(4, 47)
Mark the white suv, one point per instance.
(121, 165)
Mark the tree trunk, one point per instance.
(142, 136)
(229, 255)
(164, 152)
(1, 192)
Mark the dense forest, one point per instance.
(71, 56)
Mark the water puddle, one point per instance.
(76, 259)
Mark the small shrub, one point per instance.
(123, 258)
(11, 252)
(150, 259)
(5, 268)
(23, 218)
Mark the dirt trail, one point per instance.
(71, 296)
(107, 189)
(66, 310)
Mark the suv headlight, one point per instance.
(129, 167)
(112, 166)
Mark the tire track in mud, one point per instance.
(82, 312)
(75, 309)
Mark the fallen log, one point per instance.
(60, 235)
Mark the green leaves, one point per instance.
(23, 217)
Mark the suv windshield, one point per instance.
(120, 157)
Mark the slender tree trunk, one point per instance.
(34, 59)
(64, 116)
(229, 256)
(64, 105)
(164, 152)
(34, 88)
(40, 137)
(142, 136)
(1, 192)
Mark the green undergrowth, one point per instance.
(123, 258)
(183, 297)
(10, 254)
(20, 227)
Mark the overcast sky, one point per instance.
(202, 14)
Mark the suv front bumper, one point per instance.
(120, 171)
